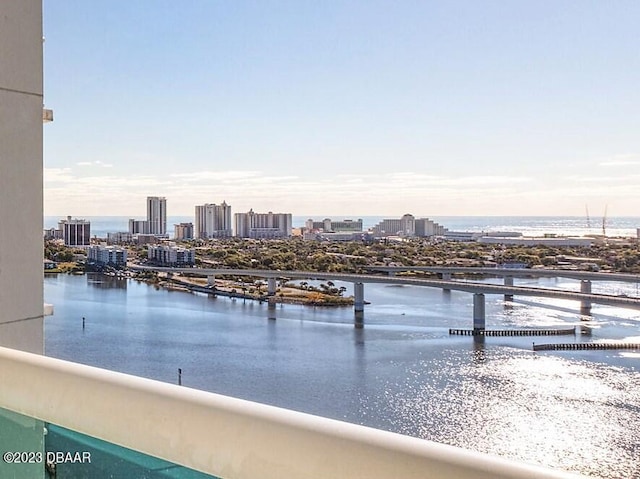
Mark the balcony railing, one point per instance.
(226, 437)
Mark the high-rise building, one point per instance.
(157, 215)
(213, 221)
(426, 227)
(75, 232)
(138, 227)
(408, 225)
(263, 225)
(183, 231)
(388, 227)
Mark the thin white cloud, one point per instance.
(605, 179)
(215, 175)
(620, 163)
(621, 160)
(94, 163)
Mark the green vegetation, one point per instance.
(353, 257)
(59, 253)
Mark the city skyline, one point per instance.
(452, 108)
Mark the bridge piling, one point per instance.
(271, 293)
(446, 277)
(358, 305)
(585, 304)
(508, 281)
(478, 312)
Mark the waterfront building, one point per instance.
(138, 227)
(263, 225)
(329, 226)
(75, 232)
(408, 226)
(425, 228)
(107, 255)
(183, 231)
(404, 226)
(213, 221)
(120, 237)
(52, 234)
(157, 215)
(171, 255)
(463, 236)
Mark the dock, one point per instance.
(584, 346)
(512, 332)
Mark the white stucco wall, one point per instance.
(21, 297)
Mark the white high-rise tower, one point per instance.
(157, 215)
(213, 221)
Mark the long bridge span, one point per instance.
(447, 271)
(479, 290)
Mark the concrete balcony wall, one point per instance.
(21, 297)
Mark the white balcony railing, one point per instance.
(227, 437)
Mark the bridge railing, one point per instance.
(227, 437)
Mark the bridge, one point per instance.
(447, 271)
(585, 277)
(479, 290)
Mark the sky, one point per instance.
(433, 108)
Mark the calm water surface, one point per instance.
(579, 411)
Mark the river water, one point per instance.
(578, 411)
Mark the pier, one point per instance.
(512, 332)
(584, 346)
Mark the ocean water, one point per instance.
(527, 225)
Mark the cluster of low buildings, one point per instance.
(161, 254)
(352, 230)
(513, 238)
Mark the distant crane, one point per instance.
(586, 207)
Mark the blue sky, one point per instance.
(352, 107)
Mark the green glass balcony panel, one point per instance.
(24, 436)
(107, 460)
